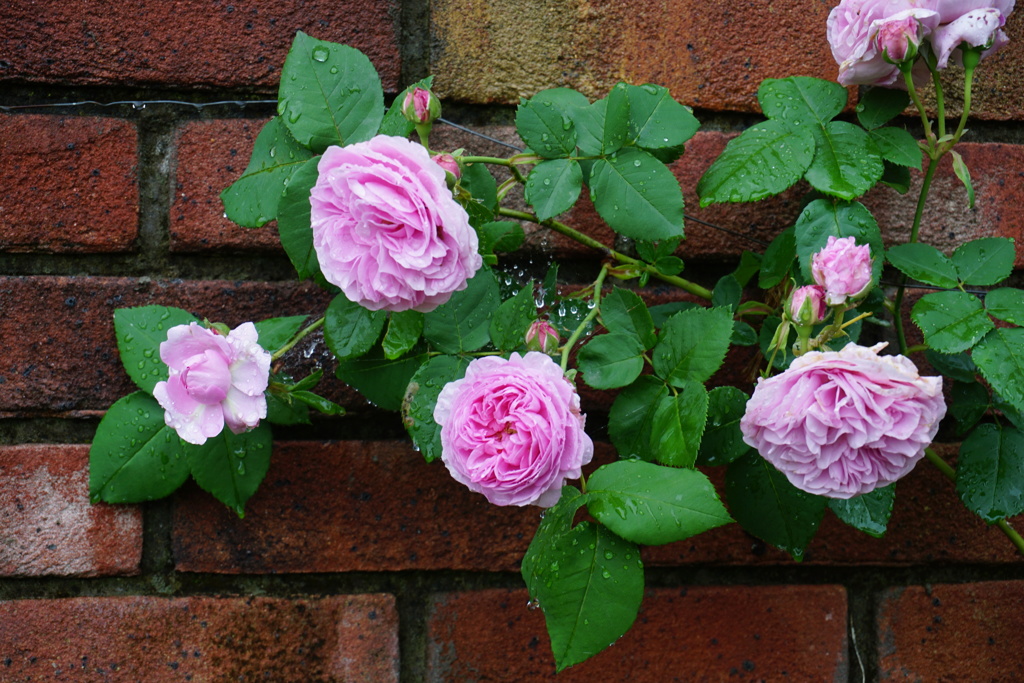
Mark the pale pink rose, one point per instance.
(843, 423)
(843, 268)
(541, 336)
(813, 298)
(861, 31)
(214, 380)
(979, 27)
(386, 229)
(512, 429)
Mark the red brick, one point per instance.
(363, 506)
(952, 632)
(234, 44)
(47, 523)
(67, 359)
(210, 156)
(711, 54)
(690, 634)
(338, 638)
(70, 184)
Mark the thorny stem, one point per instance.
(598, 284)
(950, 473)
(682, 283)
(313, 326)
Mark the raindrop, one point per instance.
(321, 53)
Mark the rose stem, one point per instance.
(316, 324)
(686, 285)
(598, 284)
(950, 473)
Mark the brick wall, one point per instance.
(357, 561)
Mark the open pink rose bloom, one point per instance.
(214, 380)
(512, 429)
(843, 269)
(386, 229)
(843, 423)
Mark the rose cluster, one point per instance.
(870, 37)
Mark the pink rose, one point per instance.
(420, 106)
(978, 23)
(860, 33)
(843, 268)
(386, 228)
(449, 164)
(843, 423)
(541, 336)
(807, 305)
(512, 429)
(214, 380)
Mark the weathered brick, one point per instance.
(47, 524)
(709, 54)
(346, 638)
(66, 359)
(689, 634)
(952, 632)
(363, 506)
(210, 156)
(70, 184)
(235, 44)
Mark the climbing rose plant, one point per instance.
(485, 366)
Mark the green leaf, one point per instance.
(140, 331)
(669, 265)
(500, 236)
(625, 312)
(990, 472)
(896, 177)
(653, 505)
(349, 329)
(461, 325)
(781, 358)
(589, 582)
(878, 106)
(1006, 303)
(293, 222)
(898, 146)
(764, 160)
(868, 512)
(801, 100)
(509, 325)
(743, 334)
(985, 261)
(276, 332)
(609, 361)
(421, 397)
(778, 259)
(823, 218)
(1000, 358)
(381, 380)
(693, 345)
(544, 124)
(282, 410)
(679, 425)
(404, 330)
(655, 250)
(846, 162)
(637, 195)
(662, 312)
(631, 418)
(923, 263)
(727, 293)
(135, 456)
(231, 466)
(394, 122)
(968, 403)
(723, 440)
(951, 321)
(325, 406)
(483, 189)
(252, 200)
(958, 366)
(964, 174)
(749, 266)
(553, 187)
(330, 94)
(763, 501)
(656, 121)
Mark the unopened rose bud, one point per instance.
(541, 336)
(843, 268)
(420, 106)
(807, 305)
(899, 37)
(451, 167)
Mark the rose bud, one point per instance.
(541, 336)
(843, 268)
(451, 168)
(807, 305)
(421, 106)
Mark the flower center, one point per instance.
(206, 377)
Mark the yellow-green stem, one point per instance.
(897, 315)
(315, 325)
(598, 284)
